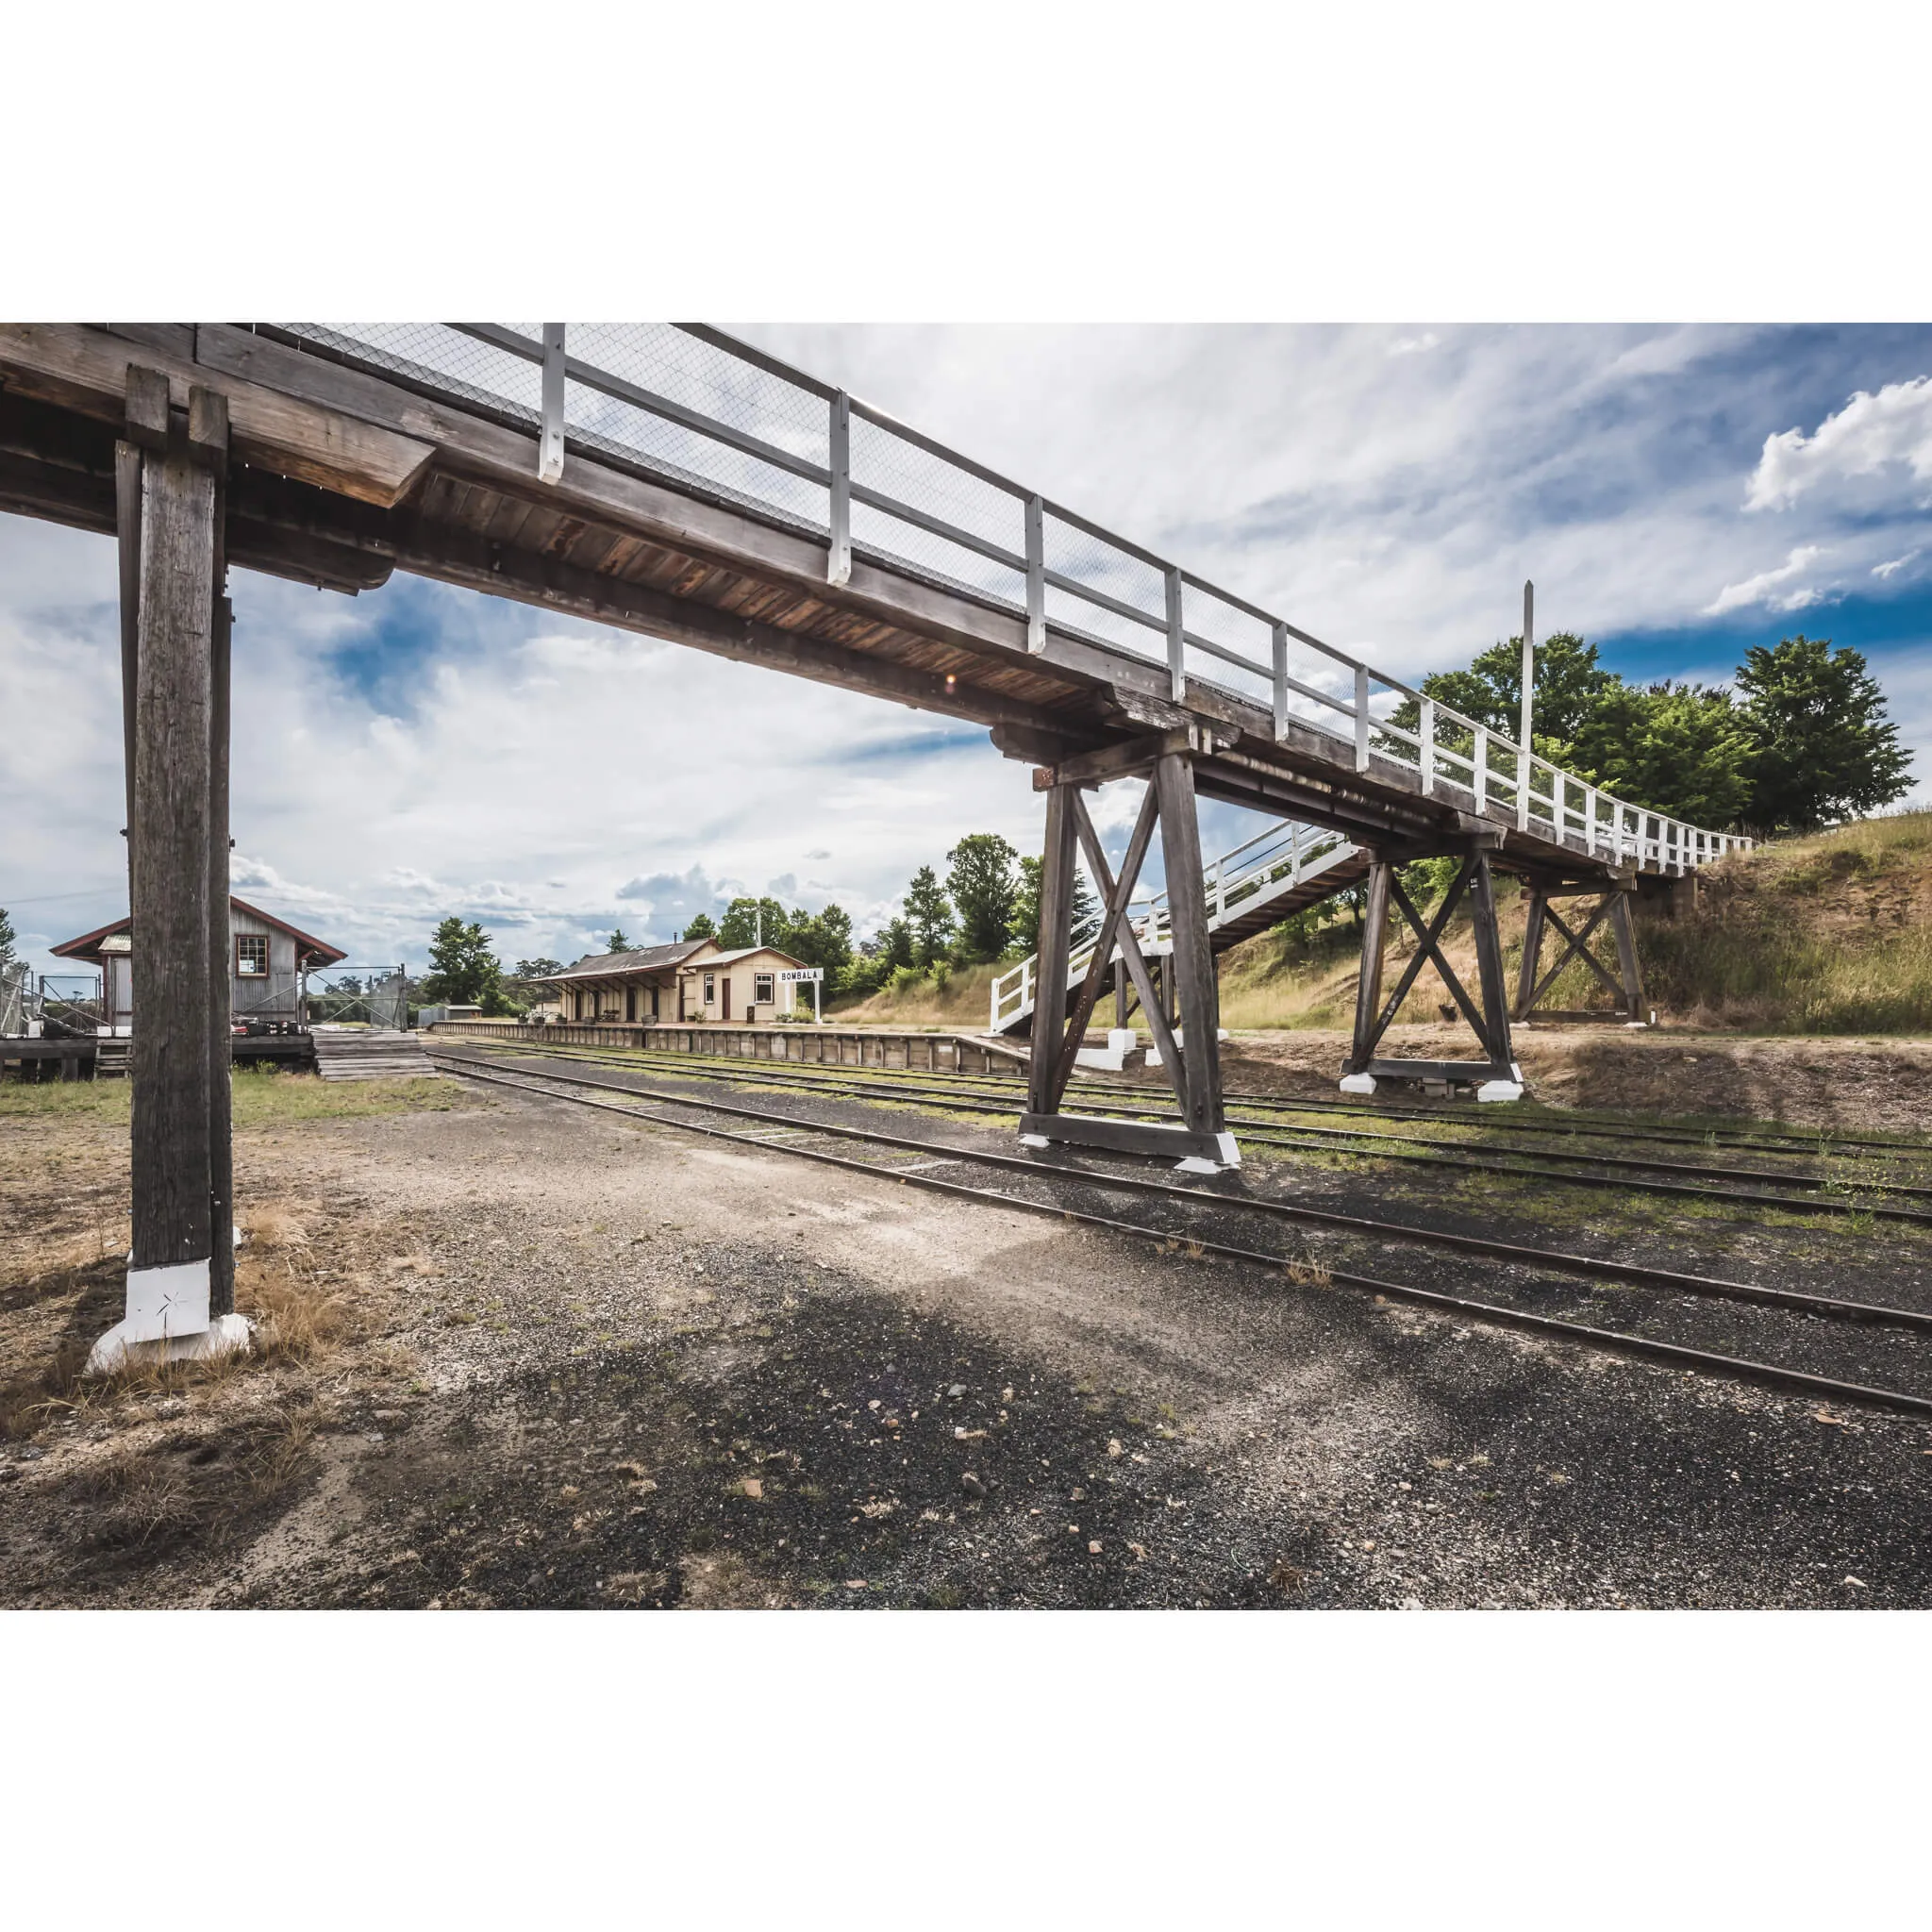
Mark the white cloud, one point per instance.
(554, 780)
(1895, 564)
(1870, 433)
(1764, 587)
(1414, 345)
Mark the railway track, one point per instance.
(1183, 1208)
(1876, 1196)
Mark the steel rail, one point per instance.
(1591, 1126)
(1302, 1274)
(1560, 1164)
(1557, 1260)
(934, 1088)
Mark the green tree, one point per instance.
(754, 921)
(538, 969)
(1680, 749)
(1568, 686)
(822, 940)
(1821, 747)
(7, 939)
(1023, 929)
(982, 874)
(701, 926)
(462, 968)
(619, 941)
(929, 913)
(896, 944)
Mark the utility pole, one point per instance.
(1528, 686)
(1528, 657)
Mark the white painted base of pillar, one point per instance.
(1230, 1156)
(1034, 1141)
(1356, 1083)
(1105, 1059)
(117, 1349)
(1500, 1090)
(1121, 1039)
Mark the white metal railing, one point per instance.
(691, 403)
(1274, 863)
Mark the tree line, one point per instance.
(984, 908)
(1798, 740)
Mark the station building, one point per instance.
(695, 982)
(267, 959)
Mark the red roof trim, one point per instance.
(84, 946)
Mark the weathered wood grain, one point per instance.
(170, 834)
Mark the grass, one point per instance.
(261, 1098)
(1828, 934)
(963, 1006)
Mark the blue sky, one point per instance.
(1679, 494)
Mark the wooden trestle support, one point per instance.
(1625, 985)
(1496, 1075)
(169, 477)
(1192, 1057)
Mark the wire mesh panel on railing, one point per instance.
(1218, 632)
(947, 523)
(1109, 596)
(659, 361)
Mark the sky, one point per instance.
(1677, 494)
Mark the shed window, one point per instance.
(251, 955)
(762, 989)
(710, 988)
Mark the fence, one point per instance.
(694, 407)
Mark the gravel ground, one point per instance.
(605, 1364)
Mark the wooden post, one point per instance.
(1193, 951)
(221, 1150)
(1532, 953)
(1626, 936)
(127, 523)
(1368, 993)
(1055, 947)
(170, 836)
(1488, 960)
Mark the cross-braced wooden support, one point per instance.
(1496, 1075)
(1191, 1058)
(175, 632)
(1533, 982)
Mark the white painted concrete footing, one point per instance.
(1358, 1083)
(226, 1335)
(1230, 1156)
(1034, 1141)
(1500, 1090)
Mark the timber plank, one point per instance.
(88, 368)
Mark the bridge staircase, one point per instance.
(1277, 873)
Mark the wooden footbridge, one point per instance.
(673, 481)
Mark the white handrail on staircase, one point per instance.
(1275, 861)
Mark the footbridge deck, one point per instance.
(673, 481)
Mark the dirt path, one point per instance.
(587, 1362)
(1878, 1083)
